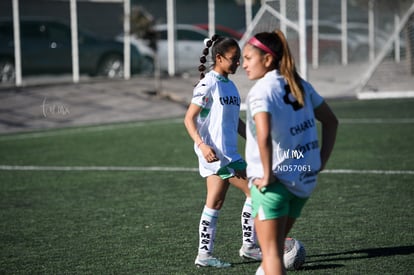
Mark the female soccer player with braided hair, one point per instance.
(282, 146)
(212, 121)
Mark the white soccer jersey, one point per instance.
(218, 121)
(296, 154)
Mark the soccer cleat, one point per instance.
(251, 252)
(211, 261)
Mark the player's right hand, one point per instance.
(208, 153)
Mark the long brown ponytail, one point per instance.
(288, 70)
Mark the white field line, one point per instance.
(385, 95)
(176, 169)
(97, 168)
(376, 120)
(91, 129)
(375, 172)
(101, 128)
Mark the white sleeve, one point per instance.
(315, 98)
(202, 93)
(258, 101)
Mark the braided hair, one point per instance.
(220, 45)
(203, 59)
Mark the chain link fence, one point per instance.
(352, 46)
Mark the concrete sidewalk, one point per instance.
(94, 102)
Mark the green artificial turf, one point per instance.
(358, 221)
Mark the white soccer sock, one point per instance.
(247, 222)
(207, 231)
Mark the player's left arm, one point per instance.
(329, 122)
(264, 142)
(241, 129)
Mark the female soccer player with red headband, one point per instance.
(282, 148)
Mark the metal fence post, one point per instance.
(127, 39)
(74, 34)
(211, 18)
(371, 30)
(315, 34)
(171, 36)
(302, 39)
(17, 46)
(344, 31)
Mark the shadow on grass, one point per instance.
(308, 267)
(320, 266)
(245, 262)
(355, 255)
(323, 263)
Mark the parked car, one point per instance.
(223, 30)
(189, 47)
(147, 54)
(46, 49)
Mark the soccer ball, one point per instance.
(293, 257)
(260, 270)
(295, 254)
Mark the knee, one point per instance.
(216, 204)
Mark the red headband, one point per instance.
(255, 42)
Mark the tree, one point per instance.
(142, 25)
